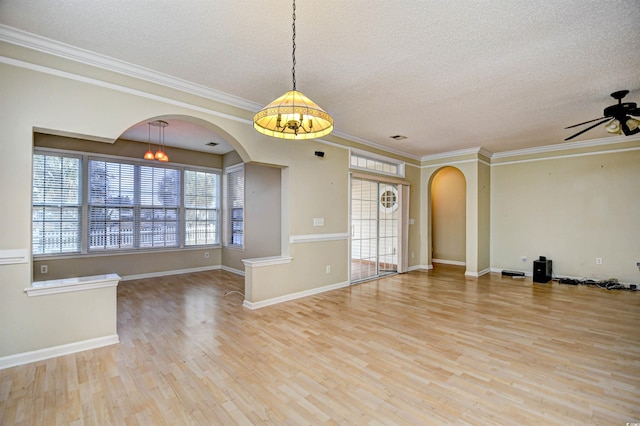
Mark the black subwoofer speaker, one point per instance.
(542, 270)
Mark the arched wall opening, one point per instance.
(448, 216)
(131, 144)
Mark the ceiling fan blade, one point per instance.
(588, 128)
(580, 124)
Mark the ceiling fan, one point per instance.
(619, 117)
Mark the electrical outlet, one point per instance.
(44, 269)
(523, 258)
(598, 261)
(328, 269)
(206, 254)
(638, 264)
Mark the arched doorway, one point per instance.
(448, 217)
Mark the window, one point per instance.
(376, 163)
(132, 206)
(235, 206)
(57, 204)
(127, 205)
(201, 208)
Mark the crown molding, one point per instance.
(457, 153)
(565, 146)
(371, 144)
(45, 45)
(52, 47)
(485, 153)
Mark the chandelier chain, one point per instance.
(293, 53)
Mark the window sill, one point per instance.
(42, 257)
(65, 285)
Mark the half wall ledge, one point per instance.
(266, 261)
(65, 285)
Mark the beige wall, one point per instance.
(312, 187)
(262, 215)
(412, 174)
(571, 210)
(129, 264)
(125, 148)
(448, 204)
(477, 225)
(262, 210)
(484, 216)
(34, 98)
(590, 207)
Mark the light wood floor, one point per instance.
(419, 348)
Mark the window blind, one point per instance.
(57, 204)
(132, 206)
(235, 207)
(201, 207)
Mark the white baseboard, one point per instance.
(449, 262)
(232, 270)
(417, 267)
(55, 351)
(167, 273)
(293, 296)
(477, 274)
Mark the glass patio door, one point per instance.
(375, 218)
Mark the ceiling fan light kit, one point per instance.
(619, 118)
(293, 115)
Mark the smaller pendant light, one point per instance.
(293, 115)
(149, 154)
(160, 155)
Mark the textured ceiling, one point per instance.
(449, 75)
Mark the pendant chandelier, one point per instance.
(293, 115)
(160, 155)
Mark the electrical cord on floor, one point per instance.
(234, 291)
(610, 284)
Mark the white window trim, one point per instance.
(85, 156)
(218, 208)
(225, 210)
(376, 157)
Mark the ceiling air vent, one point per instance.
(398, 137)
(212, 144)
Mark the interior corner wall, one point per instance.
(484, 217)
(572, 210)
(262, 211)
(312, 187)
(262, 214)
(412, 174)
